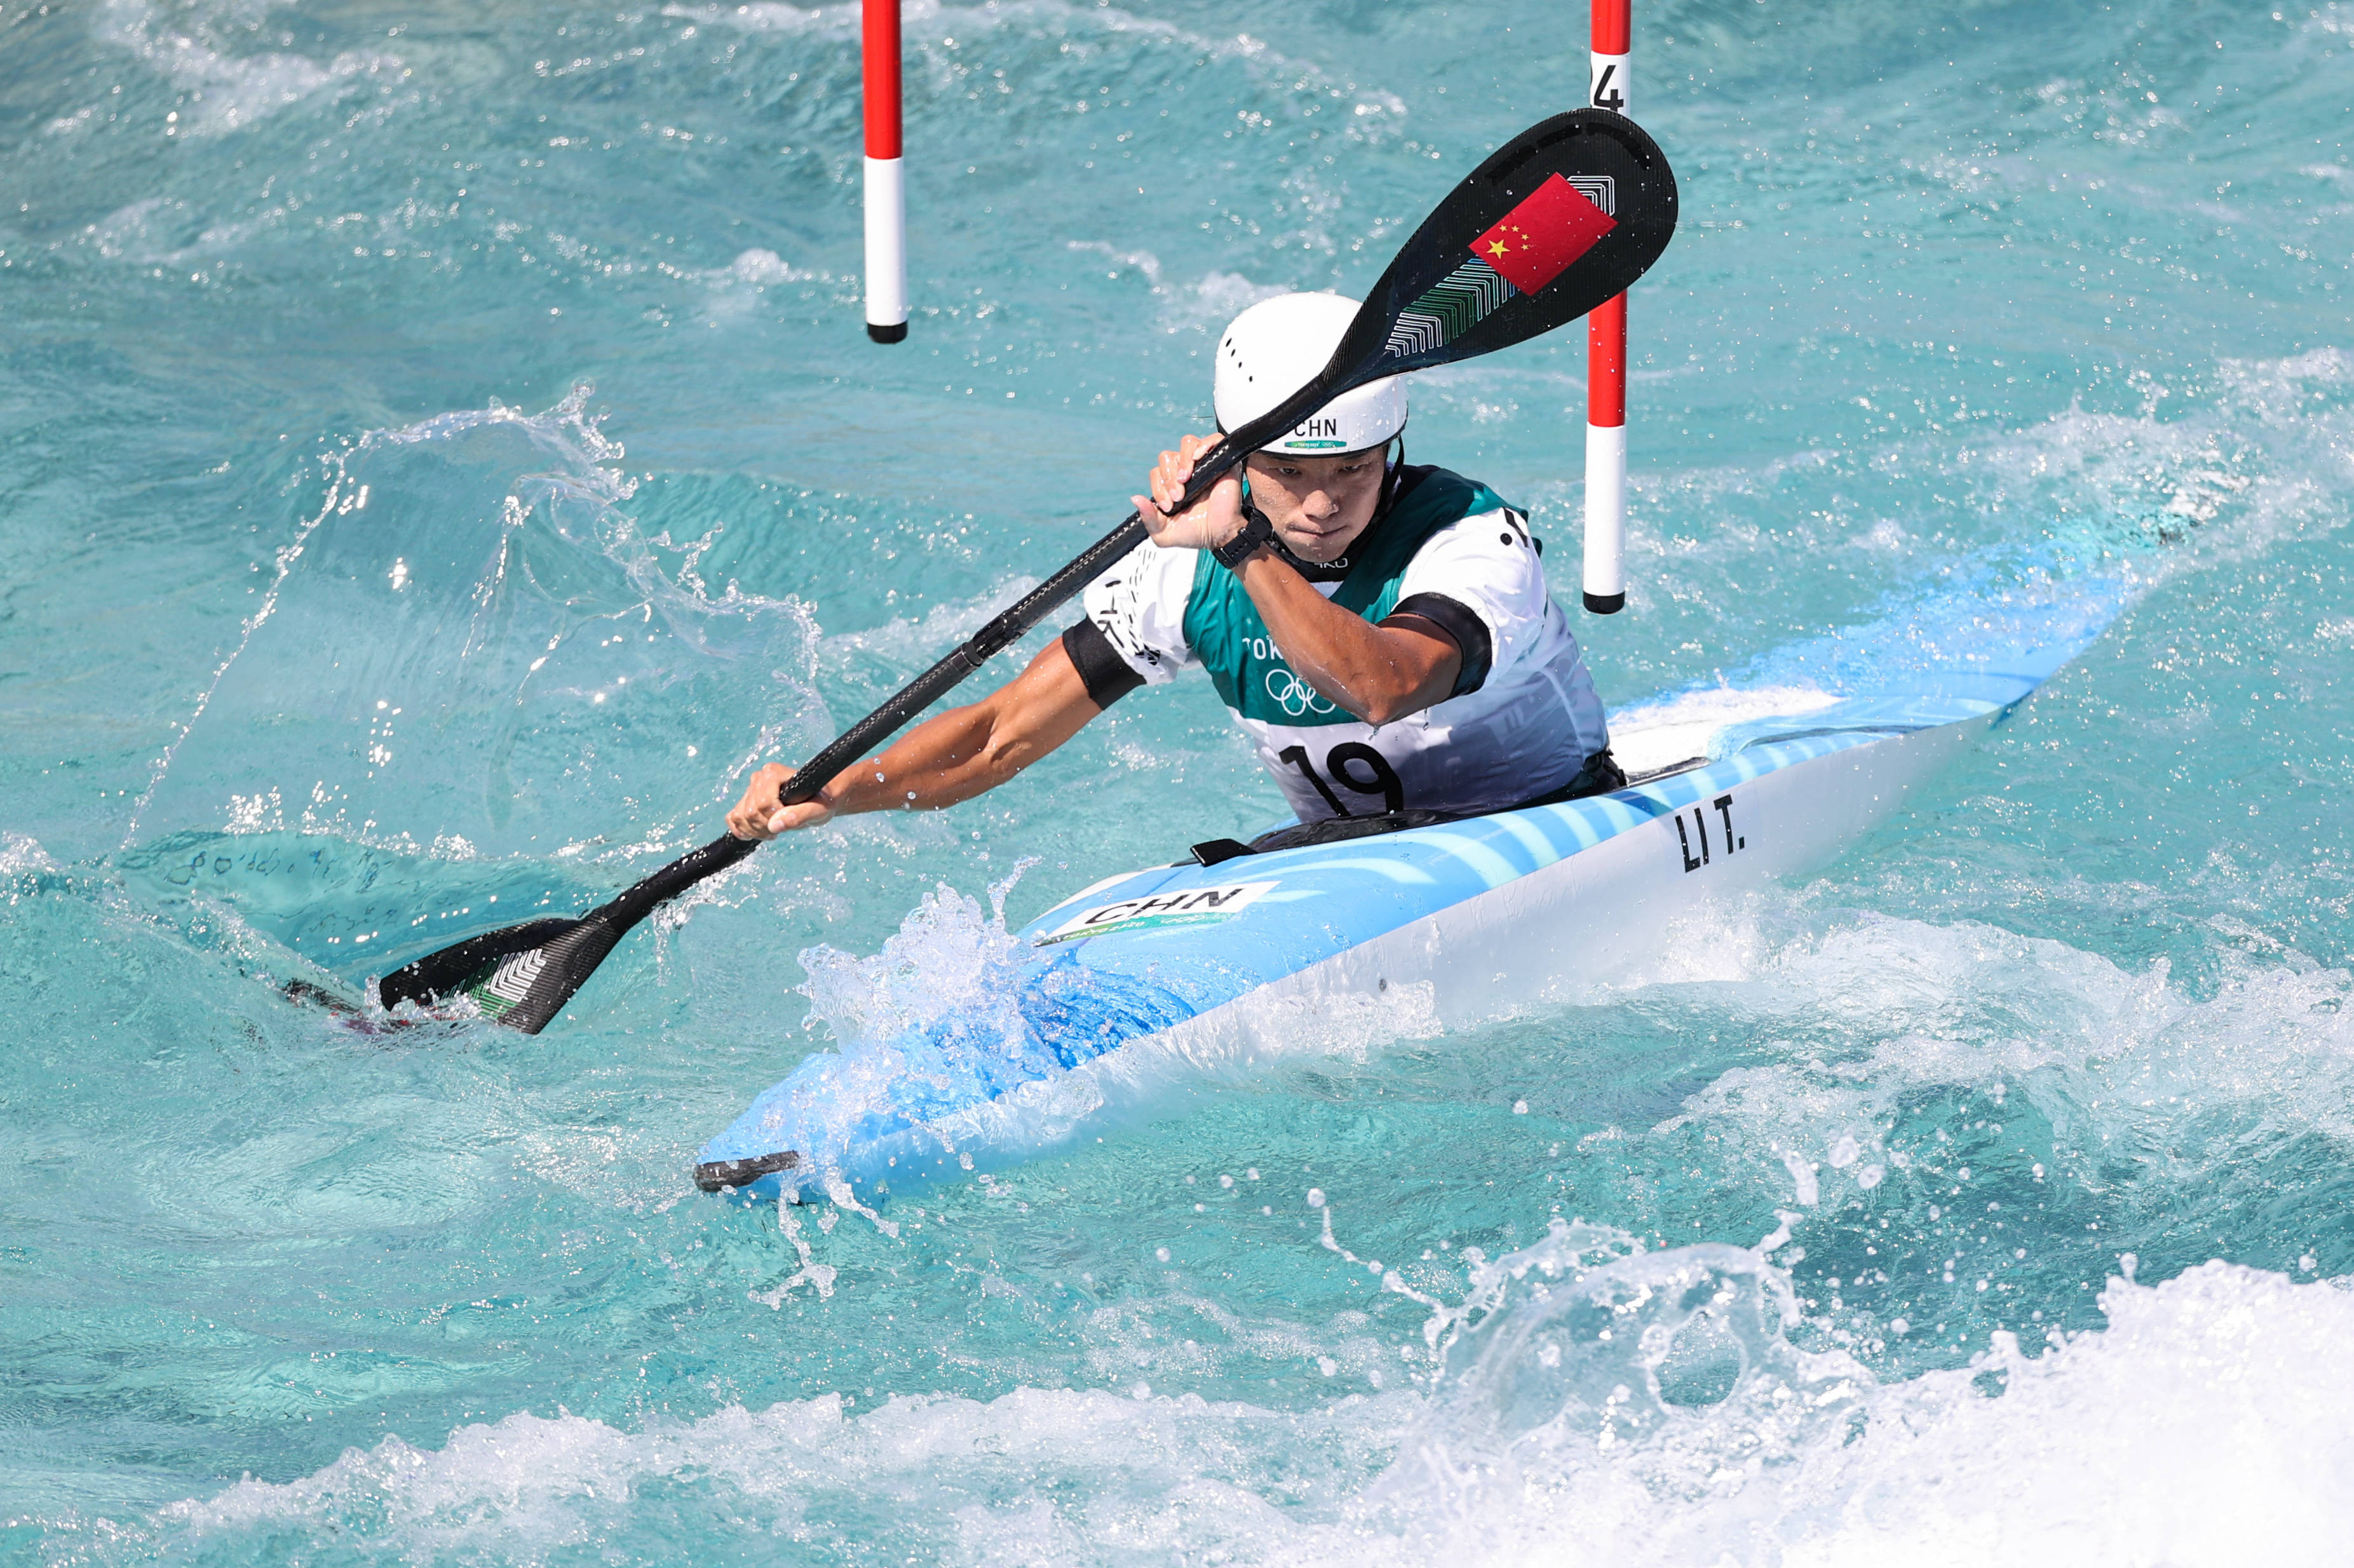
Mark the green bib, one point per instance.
(1224, 630)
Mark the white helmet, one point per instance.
(1274, 348)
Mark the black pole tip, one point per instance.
(895, 331)
(718, 1175)
(1605, 603)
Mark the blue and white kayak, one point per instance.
(1153, 980)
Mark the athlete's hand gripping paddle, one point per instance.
(1564, 216)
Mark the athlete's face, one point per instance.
(1317, 504)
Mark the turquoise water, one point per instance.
(437, 448)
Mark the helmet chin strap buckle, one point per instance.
(1255, 517)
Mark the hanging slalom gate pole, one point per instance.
(1605, 361)
(886, 191)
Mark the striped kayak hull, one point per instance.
(1166, 979)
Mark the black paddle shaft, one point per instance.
(840, 753)
(1439, 302)
(997, 636)
(844, 750)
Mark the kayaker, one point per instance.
(1380, 631)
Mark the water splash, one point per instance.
(952, 1015)
(474, 652)
(1675, 1366)
(1601, 1403)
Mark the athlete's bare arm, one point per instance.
(954, 756)
(1319, 506)
(1380, 674)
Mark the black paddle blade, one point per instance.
(1562, 218)
(309, 995)
(352, 1015)
(520, 977)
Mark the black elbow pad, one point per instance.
(1106, 674)
(1465, 629)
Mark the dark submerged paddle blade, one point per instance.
(523, 975)
(441, 975)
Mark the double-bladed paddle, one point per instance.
(1563, 216)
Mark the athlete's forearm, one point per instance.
(945, 760)
(1380, 674)
(971, 750)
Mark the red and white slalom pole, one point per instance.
(1605, 361)
(886, 190)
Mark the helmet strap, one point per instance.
(1393, 482)
(1393, 475)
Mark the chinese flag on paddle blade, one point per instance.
(1537, 240)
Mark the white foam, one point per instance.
(922, 22)
(769, 16)
(1659, 734)
(1084, 32)
(761, 268)
(953, 958)
(225, 91)
(2152, 1441)
(950, 956)
(1601, 1404)
(1207, 302)
(2108, 1057)
(2219, 476)
(2206, 1425)
(21, 855)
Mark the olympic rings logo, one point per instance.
(1295, 695)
